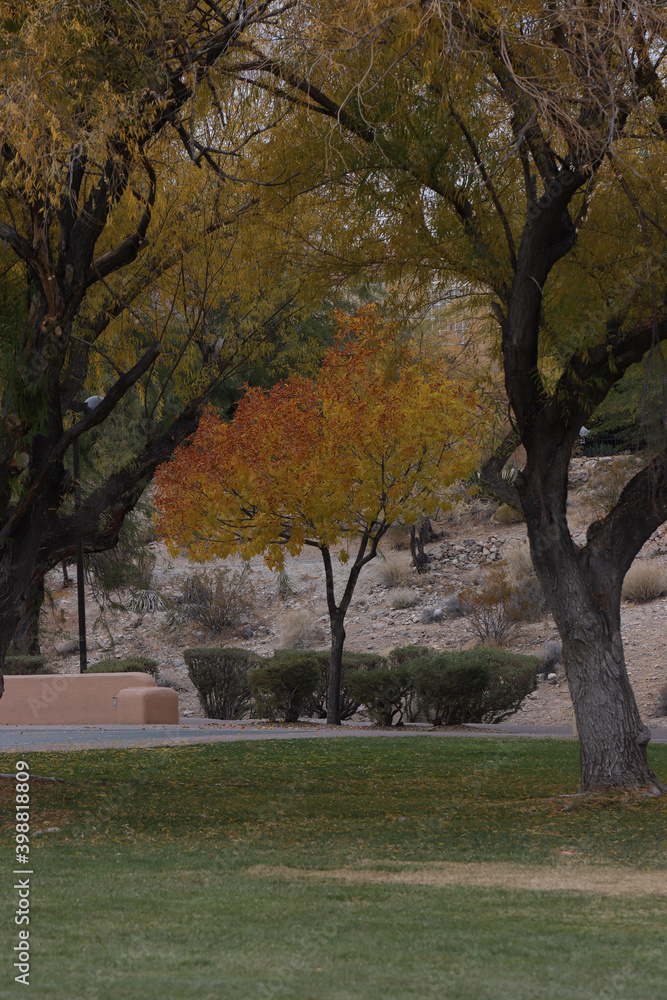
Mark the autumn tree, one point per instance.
(329, 461)
(125, 224)
(519, 151)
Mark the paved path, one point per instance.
(25, 738)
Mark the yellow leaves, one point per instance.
(373, 438)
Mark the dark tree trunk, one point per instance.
(25, 640)
(337, 612)
(420, 533)
(335, 670)
(583, 590)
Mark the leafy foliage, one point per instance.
(449, 689)
(335, 459)
(317, 460)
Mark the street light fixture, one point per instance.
(89, 404)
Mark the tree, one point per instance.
(332, 460)
(518, 150)
(112, 258)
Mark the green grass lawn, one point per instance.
(147, 892)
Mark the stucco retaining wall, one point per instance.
(86, 699)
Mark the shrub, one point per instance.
(473, 685)
(317, 705)
(284, 684)
(404, 656)
(218, 599)
(300, 630)
(132, 664)
(221, 677)
(495, 610)
(507, 515)
(608, 481)
(452, 606)
(646, 580)
(24, 665)
(402, 598)
(394, 572)
(147, 602)
(449, 689)
(285, 588)
(401, 655)
(512, 677)
(384, 692)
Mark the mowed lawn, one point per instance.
(313, 869)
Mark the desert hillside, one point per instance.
(392, 606)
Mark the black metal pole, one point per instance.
(80, 592)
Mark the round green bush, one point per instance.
(450, 690)
(509, 678)
(284, 684)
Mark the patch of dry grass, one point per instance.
(568, 876)
(403, 597)
(394, 572)
(397, 538)
(646, 580)
(517, 558)
(301, 630)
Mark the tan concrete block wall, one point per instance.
(74, 699)
(146, 706)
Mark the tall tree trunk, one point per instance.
(583, 590)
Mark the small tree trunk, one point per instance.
(420, 533)
(337, 612)
(335, 669)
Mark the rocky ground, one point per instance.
(470, 541)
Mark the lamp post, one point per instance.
(87, 405)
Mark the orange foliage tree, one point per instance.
(334, 460)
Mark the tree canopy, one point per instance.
(375, 437)
(518, 151)
(131, 251)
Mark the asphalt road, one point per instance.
(25, 738)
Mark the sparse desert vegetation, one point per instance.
(646, 580)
